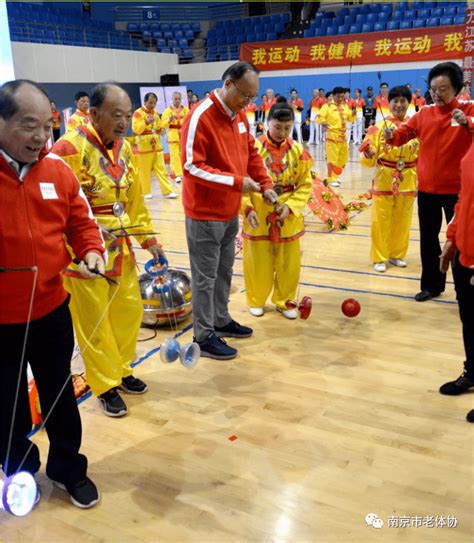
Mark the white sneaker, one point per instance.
(336, 183)
(256, 311)
(148, 196)
(171, 195)
(398, 262)
(288, 313)
(380, 267)
(178, 179)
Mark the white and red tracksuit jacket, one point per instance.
(461, 228)
(443, 145)
(39, 211)
(217, 153)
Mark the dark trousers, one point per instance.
(465, 296)
(49, 348)
(430, 215)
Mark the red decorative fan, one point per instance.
(304, 306)
(327, 205)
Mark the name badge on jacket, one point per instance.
(242, 128)
(48, 191)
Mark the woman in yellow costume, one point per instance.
(271, 246)
(393, 185)
(147, 127)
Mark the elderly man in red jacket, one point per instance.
(459, 249)
(41, 207)
(220, 163)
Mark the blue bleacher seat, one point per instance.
(251, 37)
(286, 17)
(367, 27)
(132, 27)
(279, 28)
(331, 31)
(383, 16)
(355, 29)
(459, 20)
(185, 26)
(183, 42)
(212, 33)
(343, 12)
(405, 25)
(446, 21)
(271, 36)
(372, 17)
(343, 29)
(168, 35)
(423, 13)
(409, 14)
(268, 27)
(259, 29)
(393, 25)
(154, 27)
(387, 8)
(432, 21)
(361, 18)
(165, 27)
(221, 40)
(380, 27)
(187, 53)
(178, 34)
(189, 34)
(157, 35)
(230, 39)
(308, 32)
(143, 26)
(419, 23)
(175, 26)
(375, 8)
(160, 42)
(211, 42)
(365, 8)
(266, 19)
(276, 18)
(240, 38)
(196, 27)
(261, 36)
(438, 12)
(165, 50)
(397, 15)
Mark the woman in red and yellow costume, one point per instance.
(271, 246)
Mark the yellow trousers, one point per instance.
(110, 349)
(153, 162)
(337, 155)
(268, 266)
(175, 158)
(391, 221)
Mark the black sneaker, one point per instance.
(233, 329)
(426, 295)
(83, 494)
(132, 385)
(217, 348)
(470, 416)
(454, 388)
(112, 403)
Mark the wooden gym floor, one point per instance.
(335, 418)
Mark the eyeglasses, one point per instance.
(244, 96)
(439, 91)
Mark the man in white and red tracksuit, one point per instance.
(220, 163)
(443, 143)
(459, 249)
(41, 207)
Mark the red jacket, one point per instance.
(36, 214)
(461, 228)
(442, 146)
(217, 153)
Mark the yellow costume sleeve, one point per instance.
(138, 122)
(300, 196)
(372, 139)
(166, 117)
(322, 116)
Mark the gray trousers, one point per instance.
(211, 247)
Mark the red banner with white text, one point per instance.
(413, 45)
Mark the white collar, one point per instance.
(226, 108)
(15, 165)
